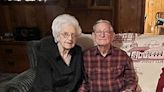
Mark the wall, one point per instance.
(130, 16)
(88, 17)
(125, 15)
(28, 15)
(151, 9)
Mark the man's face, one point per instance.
(103, 34)
(67, 37)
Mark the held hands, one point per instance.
(127, 90)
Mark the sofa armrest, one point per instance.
(22, 82)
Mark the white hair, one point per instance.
(64, 19)
(103, 21)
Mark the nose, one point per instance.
(102, 34)
(70, 37)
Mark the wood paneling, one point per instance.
(28, 15)
(10, 60)
(151, 9)
(88, 13)
(5, 19)
(130, 15)
(87, 17)
(125, 15)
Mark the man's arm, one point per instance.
(130, 76)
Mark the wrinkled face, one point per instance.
(103, 34)
(67, 36)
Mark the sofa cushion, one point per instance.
(85, 41)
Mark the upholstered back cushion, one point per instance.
(85, 41)
(32, 46)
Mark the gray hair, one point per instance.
(103, 21)
(64, 19)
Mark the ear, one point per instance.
(93, 35)
(113, 36)
(94, 38)
(57, 38)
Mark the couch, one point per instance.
(146, 51)
(22, 82)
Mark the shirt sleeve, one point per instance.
(130, 76)
(84, 87)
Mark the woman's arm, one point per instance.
(43, 80)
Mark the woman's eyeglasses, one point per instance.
(67, 34)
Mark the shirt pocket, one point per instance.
(116, 72)
(93, 74)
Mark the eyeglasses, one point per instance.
(103, 32)
(66, 35)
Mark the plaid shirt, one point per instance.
(112, 73)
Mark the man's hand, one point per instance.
(127, 90)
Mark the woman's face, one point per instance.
(68, 36)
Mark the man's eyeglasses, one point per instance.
(66, 34)
(103, 32)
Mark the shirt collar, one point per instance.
(97, 52)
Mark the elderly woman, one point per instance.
(59, 58)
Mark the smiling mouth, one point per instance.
(102, 39)
(69, 43)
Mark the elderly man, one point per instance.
(108, 69)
